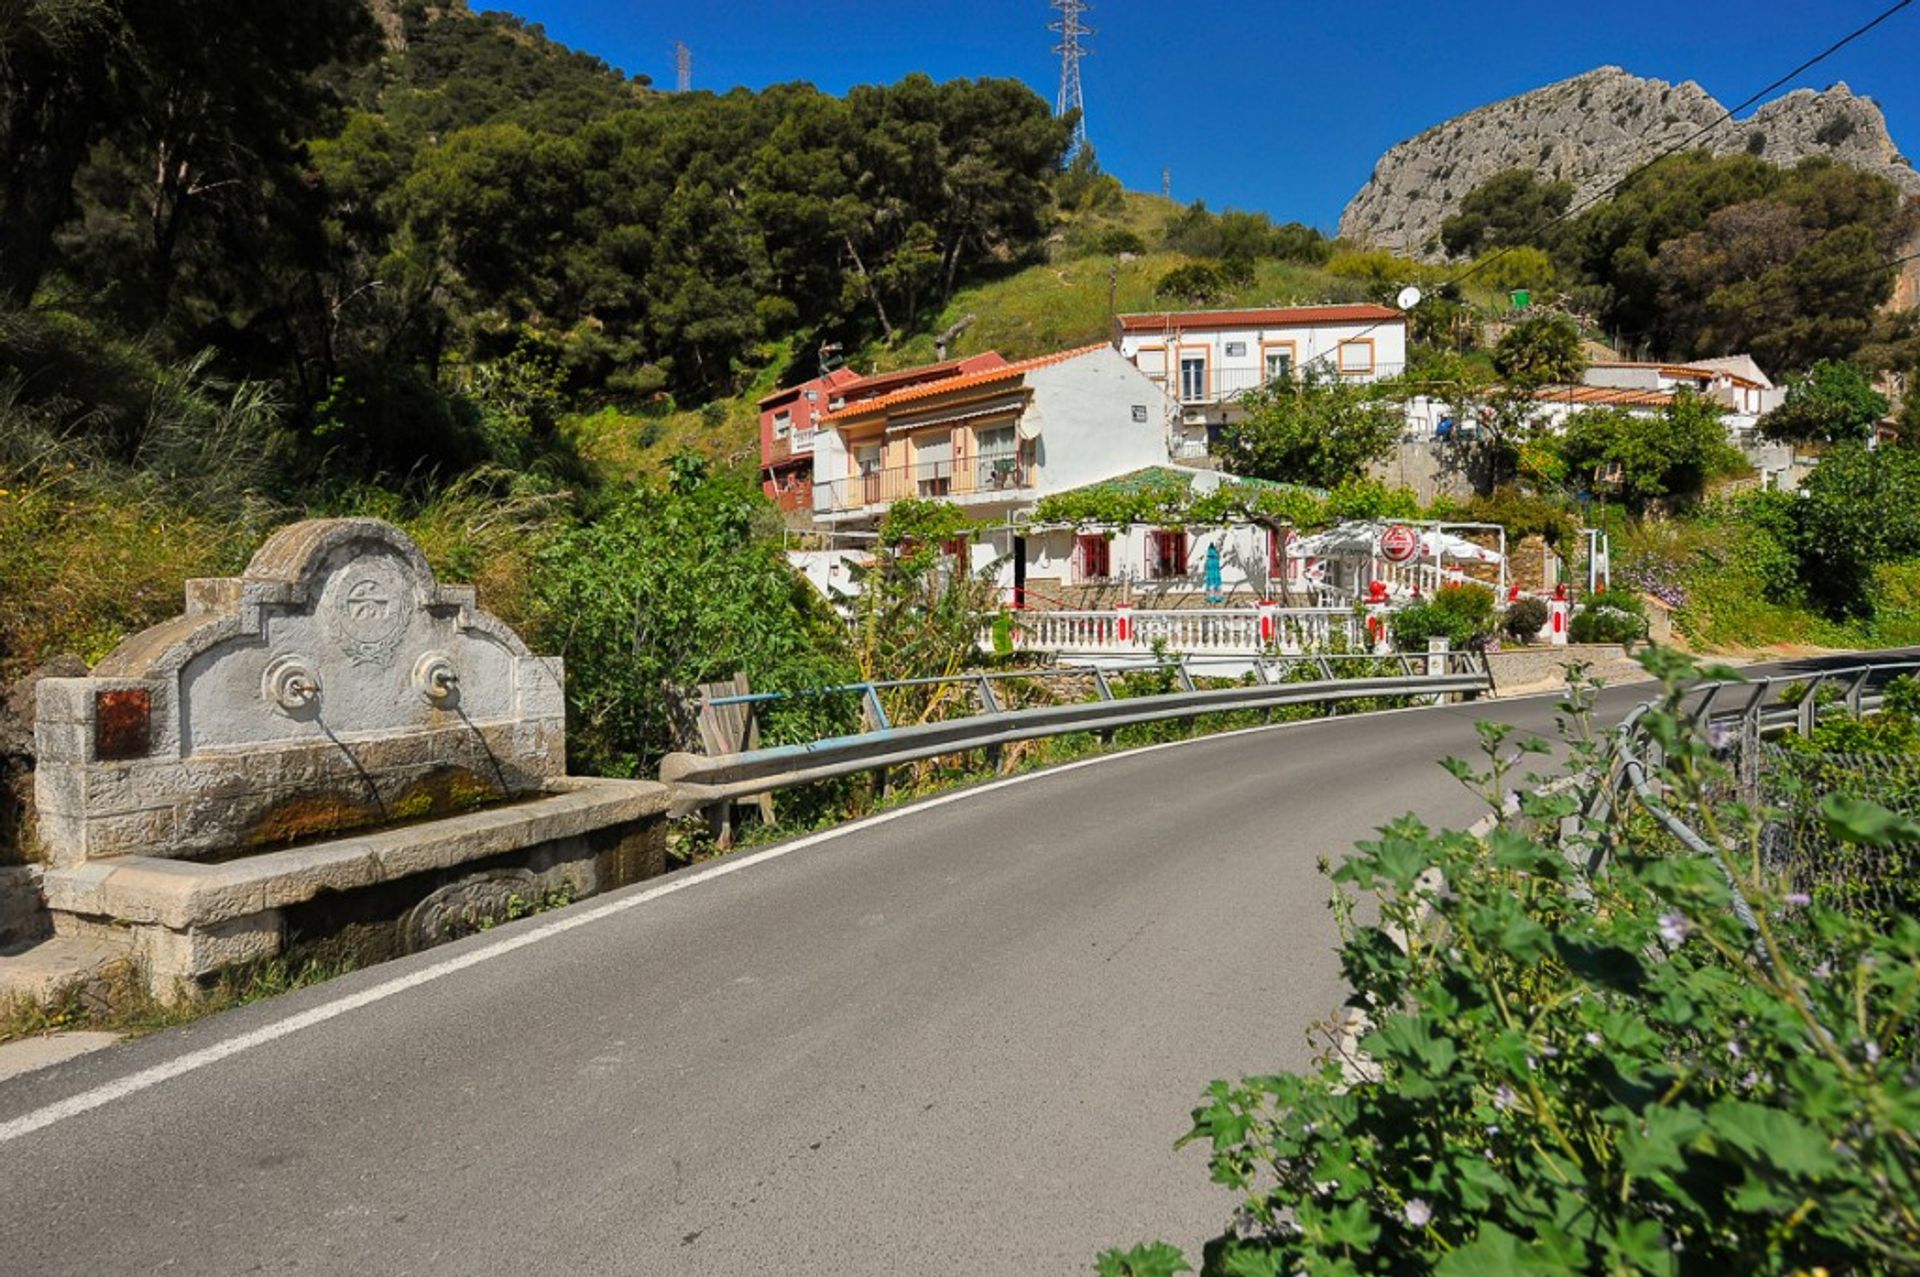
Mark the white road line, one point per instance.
(571, 919)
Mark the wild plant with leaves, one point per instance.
(1576, 1062)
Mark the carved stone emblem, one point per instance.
(368, 615)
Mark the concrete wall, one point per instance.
(1093, 417)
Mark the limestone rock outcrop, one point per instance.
(1592, 130)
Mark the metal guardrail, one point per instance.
(1760, 713)
(699, 781)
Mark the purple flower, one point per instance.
(1673, 929)
(1594, 1039)
(1824, 971)
(1872, 1049)
(1797, 899)
(1503, 1097)
(1735, 1049)
(1418, 1213)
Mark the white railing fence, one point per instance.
(1188, 631)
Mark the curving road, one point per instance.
(960, 1038)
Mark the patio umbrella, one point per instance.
(1445, 545)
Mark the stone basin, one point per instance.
(187, 919)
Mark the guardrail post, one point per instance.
(988, 705)
(1186, 676)
(876, 709)
(1809, 706)
(1857, 691)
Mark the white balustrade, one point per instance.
(1186, 631)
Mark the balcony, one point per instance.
(980, 480)
(1226, 385)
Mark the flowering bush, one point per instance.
(1574, 1072)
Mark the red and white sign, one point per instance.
(1399, 543)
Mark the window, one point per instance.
(868, 457)
(1279, 365)
(960, 550)
(999, 459)
(1356, 356)
(1094, 554)
(813, 396)
(782, 423)
(933, 465)
(1193, 378)
(1166, 553)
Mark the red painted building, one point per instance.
(788, 417)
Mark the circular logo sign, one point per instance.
(1398, 543)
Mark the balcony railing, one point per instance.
(1224, 385)
(978, 478)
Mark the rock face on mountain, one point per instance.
(1592, 130)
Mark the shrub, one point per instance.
(670, 587)
(1461, 614)
(1119, 240)
(1568, 1071)
(1524, 619)
(1611, 616)
(1195, 283)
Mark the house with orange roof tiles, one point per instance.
(995, 439)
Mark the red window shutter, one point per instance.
(1091, 553)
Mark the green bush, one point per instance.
(1567, 1072)
(1524, 619)
(1464, 615)
(669, 587)
(1611, 616)
(1195, 283)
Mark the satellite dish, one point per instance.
(1409, 297)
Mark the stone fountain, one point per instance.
(331, 737)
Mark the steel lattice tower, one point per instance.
(1071, 30)
(682, 66)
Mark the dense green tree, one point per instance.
(1703, 255)
(1858, 509)
(1832, 403)
(1236, 235)
(1512, 207)
(1084, 187)
(1541, 350)
(1670, 455)
(1321, 429)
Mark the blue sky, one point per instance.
(1277, 107)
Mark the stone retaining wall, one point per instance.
(1531, 667)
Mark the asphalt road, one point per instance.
(961, 1039)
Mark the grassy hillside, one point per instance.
(1064, 301)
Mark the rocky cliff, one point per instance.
(1593, 129)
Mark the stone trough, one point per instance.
(331, 737)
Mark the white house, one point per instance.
(1735, 382)
(994, 441)
(1208, 359)
(1057, 565)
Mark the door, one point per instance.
(1019, 572)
